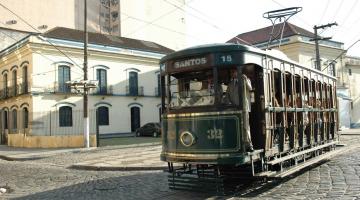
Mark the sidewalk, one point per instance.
(145, 156)
(355, 131)
(129, 159)
(22, 154)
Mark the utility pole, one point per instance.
(86, 115)
(316, 39)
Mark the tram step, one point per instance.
(279, 160)
(309, 162)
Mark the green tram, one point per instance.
(290, 113)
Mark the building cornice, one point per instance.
(76, 52)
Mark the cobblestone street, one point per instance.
(49, 178)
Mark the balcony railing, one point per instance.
(139, 91)
(108, 90)
(157, 92)
(13, 91)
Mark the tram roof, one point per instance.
(228, 47)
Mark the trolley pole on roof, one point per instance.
(316, 39)
(279, 15)
(86, 109)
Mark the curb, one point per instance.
(105, 168)
(45, 154)
(110, 147)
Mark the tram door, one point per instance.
(135, 118)
(256, 115)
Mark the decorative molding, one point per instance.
(66, 103)
(14, 106)
(4, 71)
(132, 69)
(100, 66)
(102, 103)
(24, 104)
(24, 63)
(13, 67)
(63, 63)
(135, 104)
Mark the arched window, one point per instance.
(5, 84)
(65, 116)
(25, 118)
(103, 114)
(6, 121)
(133, 83)
(14, 82)
(63, 77)
(135, 118)
(101, 76)
(24, 80)
(158, 89)
(14, 119)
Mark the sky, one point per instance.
(210, 21)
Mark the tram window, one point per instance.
(195, 89)
(298, 91)
(312, 94)
(306, 92)
(288, 91)
(277, 88)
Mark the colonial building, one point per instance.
(298, 46)
(40, 109)
(352, 73)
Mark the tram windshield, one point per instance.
(199, 89)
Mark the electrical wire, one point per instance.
(324, 12)
(27, 23)
(209, 23)
(156, 19)
(162, 27)
(16, 40)
(296, 16)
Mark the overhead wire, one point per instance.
(154, 20)
(159, 26)
(27, 23)
(36, 52)
(324, 12)
(209, 23)
(296, 16)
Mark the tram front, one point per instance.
(203, 102)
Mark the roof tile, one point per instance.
(106, 40)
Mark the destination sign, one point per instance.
(190, 62)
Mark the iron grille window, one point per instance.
(5, 85)
(14, 82)
(133, 83)
(103, 113)
(158, 89)
(63, 77)
(65, 116)
(5, 119)
(26, 118)
(101, 76)
(14, 119)
(25, 79)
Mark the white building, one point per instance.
(40, 110)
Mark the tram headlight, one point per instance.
(187, 139)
